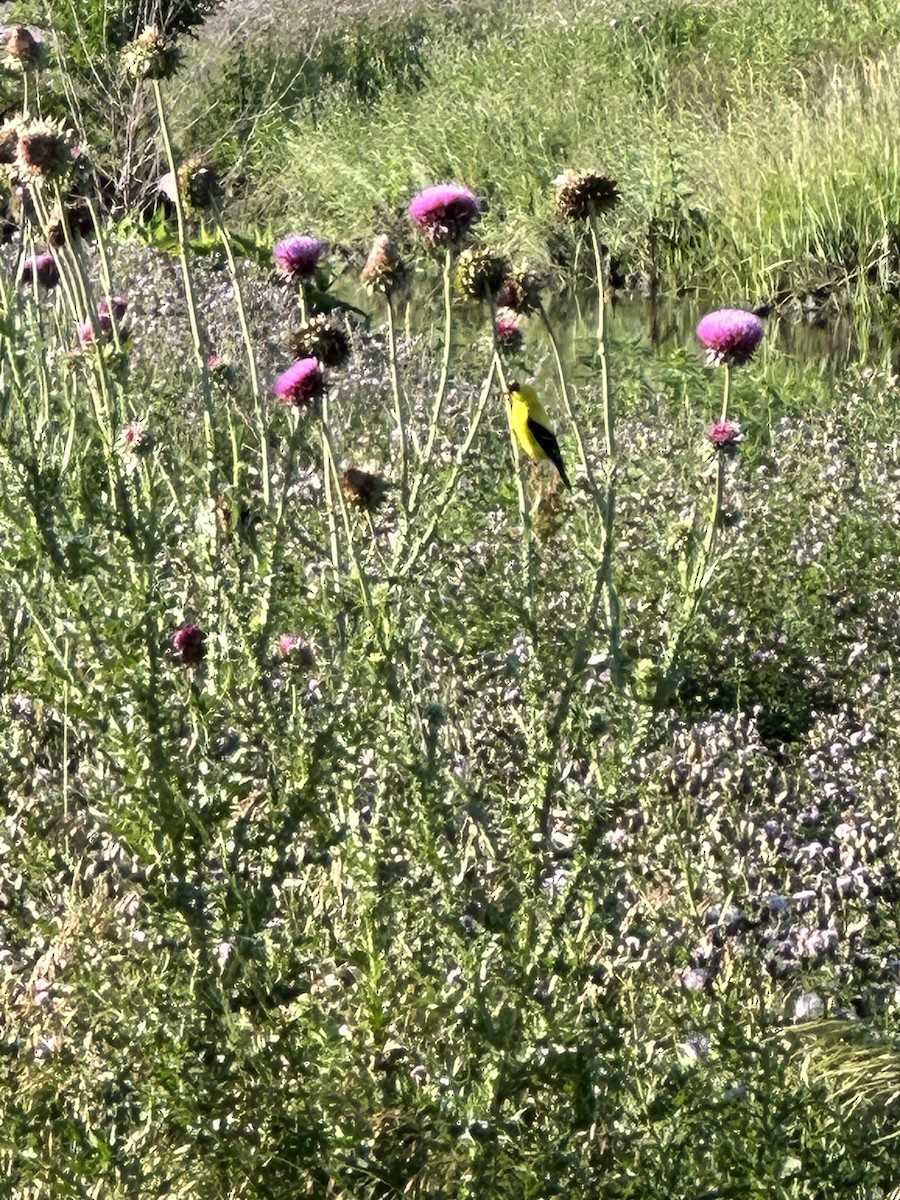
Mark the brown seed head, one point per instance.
(44, 150)
(363, 489)
(584, 194)
(521, 291)
(22, 49)
(384, 267)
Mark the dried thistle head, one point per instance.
(480, 272)
(521, 291)
(363, 489)
(44, 151)
(199, 185)
(384, 268)
(321, 338)
(549, 514)
(74, 215)
(9, 141)
(581, 195)
(23, 49)
(152, 55)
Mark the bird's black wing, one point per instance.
(546, 439)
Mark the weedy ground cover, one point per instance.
(379, 818)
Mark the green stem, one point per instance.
(276, 542)
(398, 404)
(526, 549)
(209, 423)
(443, 379)
(250, 352)
(565, 396)
(331, 467)
(331, 517)
(613, 614)
(605, 395)
(446, 495)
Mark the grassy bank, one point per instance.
(756, 156)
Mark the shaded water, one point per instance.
(830, 342)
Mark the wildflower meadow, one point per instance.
(448, 704)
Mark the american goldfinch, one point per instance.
(532, 427)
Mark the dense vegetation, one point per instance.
(379, 818)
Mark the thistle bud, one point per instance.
(384, 267)
(480, 272)
(151, 55)
(321, 338)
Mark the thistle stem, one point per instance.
(441, 393)
(209, 423)
(568, 405)
(329, 497)
(613, 615)
(250, 352)
(526, 549)
(398, 404)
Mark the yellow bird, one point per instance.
(532, 427)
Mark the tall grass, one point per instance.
(757, 152)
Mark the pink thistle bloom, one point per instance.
(725, 435)
(292, 646)
(189, 642)
(107, 312)
(301, 384)
(730, 336)
(41, 268)
(220, 368)
(508, 328)
(134, 439)
(297, 256)
(445, 212)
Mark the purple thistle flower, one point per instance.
(730, 336)
(297, 256)
(445, 212)
(293, 647)
(189, 642)
(220, 368)
(508, 328)
(725, 435)
(107, 312)
(301, 384)
(42, 268)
